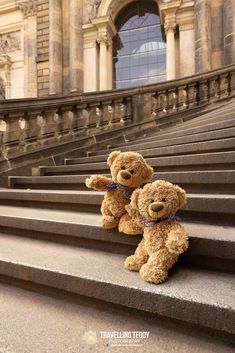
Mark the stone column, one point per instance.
(103, 42)
(29, 11)
(187, 49)
(229, 32)
(170, 27)
(76, 46)
(55, 46)
(202, 35)
(217, 37)
(110, 67)
(91, 60)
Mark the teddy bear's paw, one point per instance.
(177, 246)
(126, 228)
(152, 275)
(108, 222)
(133, 263)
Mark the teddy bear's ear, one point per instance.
(134, 199)
(113, 155)
(149, 172)
(181, 195)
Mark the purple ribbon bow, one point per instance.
(113, 186)
(152, 222)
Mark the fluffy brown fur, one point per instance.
(163, 241)
(129, 170)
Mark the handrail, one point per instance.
(28, 124)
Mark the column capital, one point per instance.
(103, 38)
(28, 7)
(170, 26)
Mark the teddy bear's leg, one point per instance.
(136, 261)
(156, 269)
(108, 221)
(129, 226)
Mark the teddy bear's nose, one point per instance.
(156, 206)
(125, 175)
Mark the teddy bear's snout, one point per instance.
(125, 175)
(156, 207)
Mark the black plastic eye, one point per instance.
(132, 171)
(123, 167)
(152, 200)
(164, 200)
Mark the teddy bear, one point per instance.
(129, 170)
(164, 238)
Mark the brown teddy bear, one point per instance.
(129, 170)
(164, 238)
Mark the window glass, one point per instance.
(139, 47)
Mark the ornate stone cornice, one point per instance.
(28, 7)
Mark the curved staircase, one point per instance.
(70, 272)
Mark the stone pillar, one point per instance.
(66, 44)
(55, 46)
(76, 46)
(170, 27)
(187, 49)
(91, 60)
(110, 67)
(202, 35)
(229, 32)
(103, 42)
(29, 11)
(217, 37)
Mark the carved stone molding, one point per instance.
(10, 42)
(91, 8)
(28, 7)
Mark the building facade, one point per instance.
(50, 47)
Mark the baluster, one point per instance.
(111, 116)
(128, 104)
(32, 132)
(3, 135)
(162, 103)
(232, 83)
(192, 95)
(213, 89)
(99, 114)
(203, 92)
(41, 122)
(224, 86)
(154, 105)
(58, 125)
(23, 125)
(123, 113)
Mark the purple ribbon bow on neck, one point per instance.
(152, 222)
(113, 186)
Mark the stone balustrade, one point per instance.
(30, 124)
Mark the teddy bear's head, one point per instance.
(158, 199)
(129, 168)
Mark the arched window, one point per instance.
(139, 49)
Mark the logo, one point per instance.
(90, 338)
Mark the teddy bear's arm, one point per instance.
(177, 240)
(98, 182)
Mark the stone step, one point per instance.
(190, 295)
(202, 137)
(43, 318)
(211, 245)
(219, 181)
(190, 148)
(204, 161)
(168, 134)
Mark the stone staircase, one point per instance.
(69, 272)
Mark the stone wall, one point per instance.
(43, 47)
